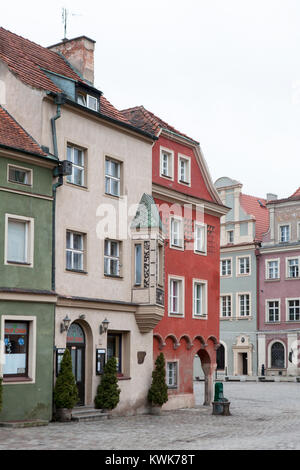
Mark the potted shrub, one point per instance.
(65, 390)
(158, 392)
(108, 391)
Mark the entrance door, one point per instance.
(245, 363)
(76, 346)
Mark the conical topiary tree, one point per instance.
(158, 392)
(65, 390)
(108, 392)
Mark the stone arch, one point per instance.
(160, 340)
(270, 347)
(214, 341)
(201, 340)
(188, 341)
(176, 343)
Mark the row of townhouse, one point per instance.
(109, 241)
(260, 283)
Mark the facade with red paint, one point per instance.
(279, 293)
(190, 210)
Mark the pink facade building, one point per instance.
(279, 289)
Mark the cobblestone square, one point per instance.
(265, 416)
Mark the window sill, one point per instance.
(226, 318)
(18, 263)
(113, 276)
(26, 185)
(273, 279)
(244, 318)
(176, 247)
(292, 278)
(186, 183)
(176, 315)
(123, 378)
(12, 380)
(113, 196)
(203, 253)
(200, 317)
(166, 177)
(76, 271)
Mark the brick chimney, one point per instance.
(80, 53)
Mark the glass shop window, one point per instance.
(16, 349)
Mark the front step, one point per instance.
(87, 413)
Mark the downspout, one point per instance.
(257, 254)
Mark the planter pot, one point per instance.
(155, 410)
(63, 414)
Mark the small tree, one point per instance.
(65, 390)
(108, 392)
(158, 392)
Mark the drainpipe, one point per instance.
(58, 100)
(257, 254)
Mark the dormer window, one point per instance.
(88, 101)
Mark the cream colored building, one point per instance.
(105, 276)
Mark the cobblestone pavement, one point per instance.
(264, 416)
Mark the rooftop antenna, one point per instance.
(65, 14)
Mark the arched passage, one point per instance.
(207, 367)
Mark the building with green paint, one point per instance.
(27, 304)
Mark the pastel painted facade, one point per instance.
(27, 302)
(279, 291)
(241, 232)
(190, 210)
(101, 309)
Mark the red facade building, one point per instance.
(190, 209)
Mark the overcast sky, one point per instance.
(225, 72)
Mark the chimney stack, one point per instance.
(271, 197)
(80, 53)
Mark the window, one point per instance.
(272, 310)
(230, 236)
(75, 251)
(293, 267)
(166, 163)
(184, 172)
(293, 309)
(114, 349)
(272, 269)
(88, 101)
(172, 373)
(77, 157)
(112, 177)
(200, 238)
(19, 175)
(244, 265)
(277, 356)
(19, 240)
(176, 232)
(176, 294)
(244, 305)
(225, 267)
(160, 264)
(225, 301)
(200, 299)
(138, 264)
(111, 258)
(284, 233)
(16, 349)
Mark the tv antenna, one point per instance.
(64, 16)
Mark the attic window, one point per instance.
(88, 101)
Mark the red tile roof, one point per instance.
(295, 194)
(256, 207)
(149, 122)
(14, 136)
(26, 58)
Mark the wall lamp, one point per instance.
(104, 326)
(64, 326)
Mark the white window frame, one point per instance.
(82, 168)
(22, 168)
(175, 374)
(231, 266)
(287, 300)
(170, 153)
(73, 250)
(228, 236)
(187, 161)
(203, 228)
(267, 311)
(279, 233)
(238, 266)
(112, 178)
(181, 296)
(114, 258)
(31, 354)
(221, 306)
(86, 101)
(180, 234)
(204, 301)
(238, 303)
(29, 240)
(291, 258)
(267, 270)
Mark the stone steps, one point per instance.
(88, 413)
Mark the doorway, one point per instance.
(76, 346)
